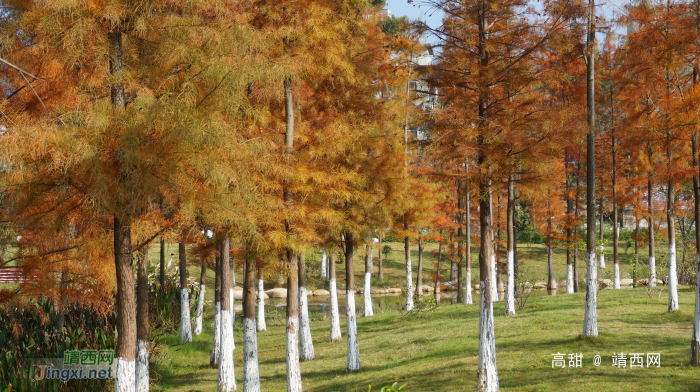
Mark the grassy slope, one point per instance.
(438, 352)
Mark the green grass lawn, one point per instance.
(438, 351)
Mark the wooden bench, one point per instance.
(12, 275)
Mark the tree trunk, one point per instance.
(142, 327)
(61, 316)
(162, 263)
(552, 281)
(323, 265)
(409, 274)
(353, 346)
(576, 201)
(367, 309)
(487, 373)
(185, 324)
(419, 275)
(569, 223)
(601, 247)
(636, 251)
(335, 317)
(200, 300)
(381, 259)
(215, 348)
(652, 253)
(125, 353)
(251, 371)
(671, 219)
(261, 301)
(468, 244)
(510, 248)
(227, 379)
(494, 267)
(590, 319)
(125, 378)
(292, 331)
(438, 277)
(306, 345)
(695, 341)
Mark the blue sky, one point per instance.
(434, 18)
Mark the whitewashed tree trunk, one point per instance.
(261, 306)
(488, 371)
(601, 257)
(468, 294)
(371, 259)
(672, 278)
(142, 378)
(306, 345)
(200, 311)
(251, 372)
(494, 279)
(652, 271)
(409, 286)
(353, 347)
(125, 377)
(695, 341)
(185, 323)
(616, 276)
(510, 284)
(569, 278)
(335, 317)
(217, 335)
(324, 268)
(367, 310)
(590, 318)
(227, 378)
(233, 313)
(292, 348)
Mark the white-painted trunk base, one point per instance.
(251, 371)
(323, 264)
(335, 317)
(371, 260)
(672, 279)
(696, 318)
(306, 345)
(652, 272)
(227, 377)
(217, 334)
(510, 284)
(142, 379)
(233, 313)
(494, 279)
(200, 311)
(353, 347)
(590, 317)
(468, 294)
(569, 278)
(616, 276)
(409, 286)
(601, 257)
(261, 306)
(487, 376)
(367, 310)
(292, 348)
(125, 377)
(185, 323)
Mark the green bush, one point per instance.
(29, 333)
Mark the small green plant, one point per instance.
(390, 388)
(422, 305)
